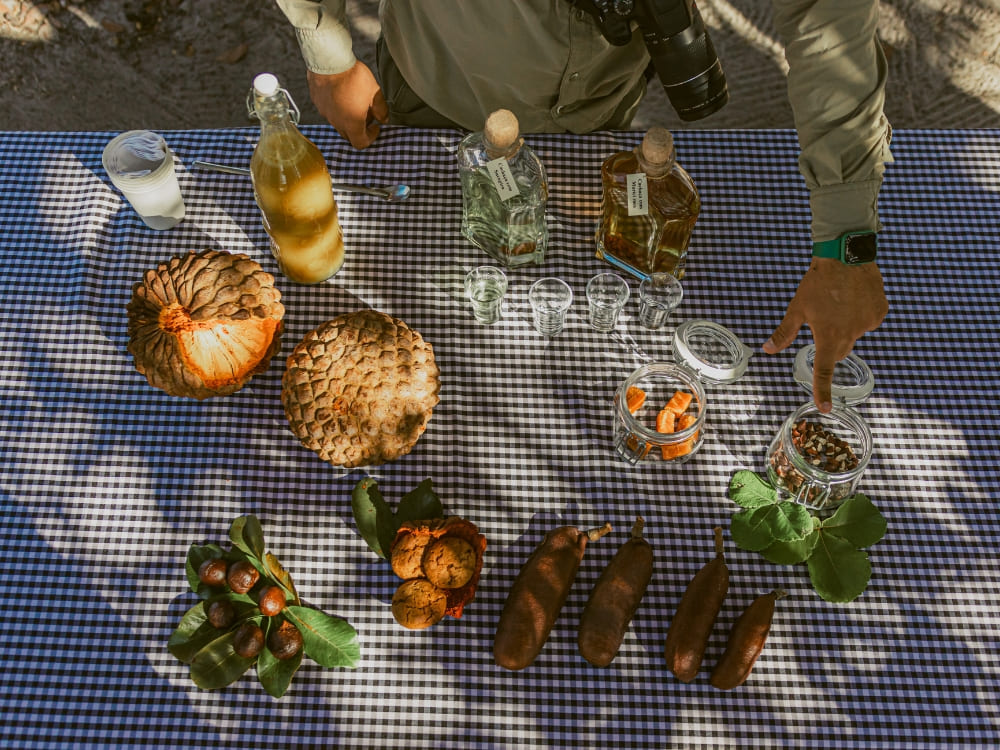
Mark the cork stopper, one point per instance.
(658, 146)
(501, 131)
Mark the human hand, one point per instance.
(839, 303)
(350, 101)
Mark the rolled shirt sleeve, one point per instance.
(836, 86)
(323, 33)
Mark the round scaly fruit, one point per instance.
(203, 324)
(360, 389)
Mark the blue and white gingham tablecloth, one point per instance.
(105, 481)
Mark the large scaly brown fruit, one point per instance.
(359, 390)
(203, 324)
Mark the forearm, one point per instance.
(322, 31)
(836, 86)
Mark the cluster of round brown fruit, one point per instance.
(241, 577)
(439, 561)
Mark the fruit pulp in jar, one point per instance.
(652, 243)
(294, 192)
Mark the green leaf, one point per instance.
(418, 504)
(791, 553)
(277, 571)
(328, 641)
(839, 571)
(197, 554)
(217, 665)
(749, 531)
(373, 516)
(749, 490)
(247, 535)
(858, 521)
(193, 633)
(275, 675)
(758, 529)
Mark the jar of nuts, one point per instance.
(817, 459)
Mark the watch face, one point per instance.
(860, 248)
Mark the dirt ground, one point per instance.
(175, 64)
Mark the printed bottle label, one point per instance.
(503, 178)
(638, 194)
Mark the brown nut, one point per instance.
(418, 604)
(285, 642)
(248, 640)
(242, 576)
(449, 562)
(221, 614)
(408, 555)
(272, 600)
(213, 572)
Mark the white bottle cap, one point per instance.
(266, 84)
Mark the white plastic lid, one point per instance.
(714, 352)
(853, 380)
(266, 84)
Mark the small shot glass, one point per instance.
(607, 294)
(659, 295)
(485, 287)
(550, 298)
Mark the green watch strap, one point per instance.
(828, 248)
(850, 248)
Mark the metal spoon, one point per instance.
(390, 193)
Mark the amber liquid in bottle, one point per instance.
(294, 191)
(656, 242)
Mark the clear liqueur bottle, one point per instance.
(504, 192)
(649, 208)
(293, 189)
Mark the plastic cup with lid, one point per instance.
(141, 166)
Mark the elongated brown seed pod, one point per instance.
(746, 641)
(696, 613)
(538, 595)
(614, 599)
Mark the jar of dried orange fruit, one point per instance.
(660, 408)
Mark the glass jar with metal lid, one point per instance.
(818, 459)
(651, 421)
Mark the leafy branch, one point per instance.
(786, 533)
(224, 634)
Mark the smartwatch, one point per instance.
(851, 248)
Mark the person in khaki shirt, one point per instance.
(445, 63)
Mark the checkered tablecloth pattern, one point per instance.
(106, 481)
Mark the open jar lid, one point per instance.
(712, 351)
(853, 380)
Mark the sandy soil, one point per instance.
(172, 64)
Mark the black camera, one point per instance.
(679, 48)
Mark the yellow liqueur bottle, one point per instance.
(293, 189)
(649, 208)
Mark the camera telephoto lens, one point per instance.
(679, 48)
(685, 62)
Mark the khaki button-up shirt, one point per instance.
(547, 62)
